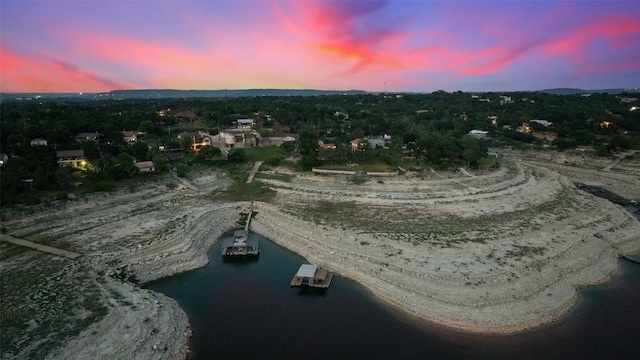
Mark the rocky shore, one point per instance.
(489, 251)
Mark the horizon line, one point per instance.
(311, 89)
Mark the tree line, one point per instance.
(430, 128)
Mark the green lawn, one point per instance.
(265, 153)
(240, 190)
(486, 162)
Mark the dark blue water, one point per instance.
(247, 310)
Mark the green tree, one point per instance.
(209, 152)
(161, 163)
(147, 126)
(63, 177)
(471, 150)
(140, 151)
(185, 143)
(288, 145)
(309, 148)
(237, 156)
(130, 124)
(122, 167)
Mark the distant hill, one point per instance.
(183, 94)
(168, 93)
(570, 91)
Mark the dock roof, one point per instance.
(592, 184)
(307, 270)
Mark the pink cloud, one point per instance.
(320, 44)
(576, 41)
(150, 62)
(350, 33)
(26, 73)
(574, 44)
(347, 30)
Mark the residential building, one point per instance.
(238, 138)
(245, 123)
(376, 143)
(38, 142)
(344, 116)
(92, 136)
(478, 134)
(544, 123)
(186, 116)
(145, 166)
(356, 144)
(72, 158)
(198, 139)
(132, 136)
(328, 146)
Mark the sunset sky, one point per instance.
(394, 46)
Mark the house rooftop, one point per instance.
(69, 153)
(144, 164)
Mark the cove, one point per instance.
(247, 310)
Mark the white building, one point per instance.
(237, 138)
(479, 134)
(244, 123)
(146, 166)
(38, 142)
(544, 123)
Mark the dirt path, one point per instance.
(255, 168)
(618, 160)
(39, 247)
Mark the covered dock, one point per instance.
(241, 245)
(312, 276)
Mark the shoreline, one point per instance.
(563, 298)
(502, 252)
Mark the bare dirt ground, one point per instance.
(490, 251)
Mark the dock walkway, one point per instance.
(39, 247)
(241, 245)
(629, 258)
(255, 168)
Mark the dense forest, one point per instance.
(431, 129)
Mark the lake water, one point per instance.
(247, 310)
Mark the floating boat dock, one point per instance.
(312, 276)
(241, 245)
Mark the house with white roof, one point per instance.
(245, 123)
(478, 134)
(544, 123)
(38, 142)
